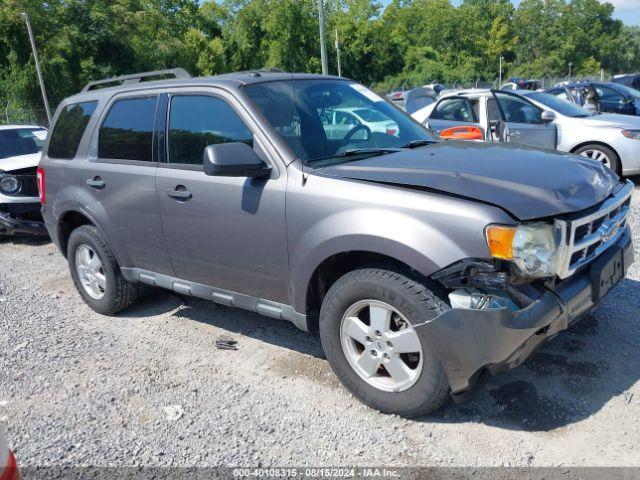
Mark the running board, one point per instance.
(218, 295)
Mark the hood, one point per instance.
(529, 183)
(612, 120)
(21, 161)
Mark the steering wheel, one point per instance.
(352, 132)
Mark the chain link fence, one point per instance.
(25, 113)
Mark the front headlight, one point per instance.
(9, 184)
(635, 134)
(532, 247)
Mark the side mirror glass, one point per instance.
(548, 116)
(233, 160)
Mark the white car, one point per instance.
(8, 465)
(538, 119)
(20, 150)
(338, 122)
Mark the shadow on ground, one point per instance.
(25, 240)
(568, 379)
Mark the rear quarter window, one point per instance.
(69, 128)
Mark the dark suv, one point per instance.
(425, 264)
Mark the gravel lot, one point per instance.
(149, 387)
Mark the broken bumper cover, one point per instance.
(472, 344)
(21, 219)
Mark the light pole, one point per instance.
(500, 76)
(323, 40)
(338, 54)
(37, 62)
(570, 65)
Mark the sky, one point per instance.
(626, 10)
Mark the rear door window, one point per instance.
(455, 109)
(127, 130)
(69, 128)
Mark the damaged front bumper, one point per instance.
(21, 219)
(474, 343)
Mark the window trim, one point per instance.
(47, 145)
(105, 112)
(167, 117)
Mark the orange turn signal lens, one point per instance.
(500, 240)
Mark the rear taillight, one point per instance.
(11, 469)
(391, 131)
(41, 185)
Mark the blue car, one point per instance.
(600, 96)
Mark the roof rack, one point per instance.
(137, 77)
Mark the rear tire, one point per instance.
(598, 152)
(390, 380)
(96, 273)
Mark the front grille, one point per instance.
(586, 237)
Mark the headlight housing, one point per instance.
(634, 134)
(9, 184)
(533, 247)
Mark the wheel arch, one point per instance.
(334, 266)
(594, 142)
(69, 221)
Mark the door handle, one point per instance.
(179, 193)
(96, 182)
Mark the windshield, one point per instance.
(628, 91)
(21, 141)
(320, 119)
(560, 105)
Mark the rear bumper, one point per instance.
(472, 344)
(21, 219)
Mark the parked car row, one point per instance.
(539, 119)
(600, 97)
(392, 243)
(425, 265)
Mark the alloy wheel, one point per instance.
(597, 155)
(90, 272)
(381, 345)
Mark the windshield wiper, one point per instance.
(357, 151)
(418, 143)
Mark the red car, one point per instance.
(8, 465)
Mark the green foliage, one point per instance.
(411, 42)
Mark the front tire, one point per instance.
(366, 328)
(96, 273)
(603, 154)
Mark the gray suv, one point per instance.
(424, 264)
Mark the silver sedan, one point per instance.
(612, 138)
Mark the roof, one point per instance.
(229, 80)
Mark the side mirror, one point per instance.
(548, 116)
(233, 160)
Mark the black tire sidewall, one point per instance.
(91, 236)
(341, 296)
